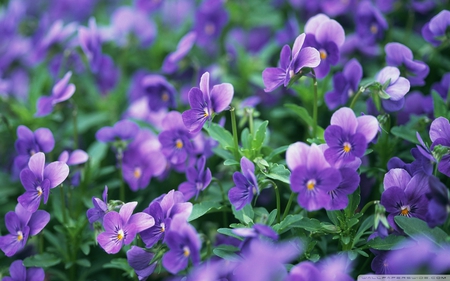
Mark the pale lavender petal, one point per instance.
(297, 155)
(44, 139)
(38, 221)
(65, 95)
(285, 57)
(388, 72)
(204, 83)
(181, 210)
(36, 165)
(440, 128)
(313, 24)
(396, 177)
(308, 57)
(173, 121)
(298, 43)
(273, 77)
(78, 157)
(142, 221)
(247, 167)
(316, 159)
(367, 126)
(346, 119)
(398, 90)
(109, 242)
(221, 96)
(61, 85)
(330, 30)
(56, 172)
(126, 211)
(112, 222)
(64, 156)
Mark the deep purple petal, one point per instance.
(393, 106)
(440, 23)
(44, 139)
(18, 271)
(313, 201)
(273, 77)
(391, 198)
(35, 274)
(444, 165)
(247, 167)
(239, 197)
(44, 106)
(285, 57)
(189, 189)
(194, 119)
(105, 134)
(30, 200)
(396, 53)
(322, 69)
(174, 261)
(139, 258)
(221, 96)
(28, 179)
(353, 73)
(38, 221)
(56, 172)
(328, 179)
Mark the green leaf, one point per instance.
(220, 134)
(278, 172)
(405, 133)
(272, 217)
(41, 260)
(418, 229)
(202, 208)
(245, 139)
(260, 136)
(277, 151)
(302, 113)
(228, 232)
(226, 252)
(353, 202)
(84, 262)
(284, 225)
(122, 264)
(392, 242)
(365, 225)
(334, 216)
(97, 151)
(440, 108)
(244, 215)
(312, 225)
(230, 162)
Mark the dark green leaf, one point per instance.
(226, 252)
(260, 136)
(228, 232)
(392, 242)
(302, 113)
(202, 208)
(418, 229)
(84, 262)
(284, 225)
(245, 139)
(220, 134)
(277, 151)
(278, 172)
(334, 215)
(365, 225)
(244, 215)
(440, 108)
(41, 260)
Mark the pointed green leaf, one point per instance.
(278, 172)
(418, 229)
(41, 260)
(260, 136)
(202, 208)
(244, 215)
(440, 108)
(392, 242)
(220, 134)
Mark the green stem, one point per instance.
(63, 204)
(288, 206)
(374, 202)
(277, 194)
(315, 106)
(235, 136)
(122, 182)
(224, 199)
(361, 89)
(75, 126)
(250, 121)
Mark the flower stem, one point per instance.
(315, 106)
(63, 204)
(75, 125)
(122, 185)
(235, 136)
(224, 199)
(288, 206)
(250, 120)
(360, 90)
(374, 202)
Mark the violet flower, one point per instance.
(370, 23)
(443, 86)
(305, 270)
(160, 93)
(210, 18)
(90, 42)
(205, 103)
(302, 58)
(246, 185)
(139, 259)
(404, 195)
(38, 179)
(107, 74)
(348, 136)
(327, 36)
(62, 91)
(393, 89)
(440, 135)
(416, 104)
(19, 272)
(399, 55)
(184, 244)
(421, 163)
(100, 209)
(311, 175)
(170, 64)
(122, 227)
(29, 143)
(124, 130)
(163, 210)
(345, 84)
(438, 202)
(76, 157)
(197, 179)
(21, 224)
(435, 31)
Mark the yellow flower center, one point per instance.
(291, 73)
(163, 227)
(347, 147)
(39, 190)
(32, 152)
(323, 54)
(404, 211)
(206, 114)
(374, 28)
(137, 172)
(120, 235)
(178, 144)
(210, 28)
(19, 235)
(311, 184)
(165, 96)
(186, 251)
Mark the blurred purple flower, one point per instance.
(304, 271)
(439, 203)
(370, 23)
(423, 6)
(394, 86)
(163, 210)
(205, 103)
(121, 228)
(38, 179)
(311, 175)
(148, 6)
(76, 157)
(19, 272)
(90, 42)
(160, 93)
(345, 84)
(170, 64)
(197, 179)
(399, 55)
(139, 259)
(289, 31)
(443, 87)
(184, 244)
(415, 104)
(107, 74)
(61, 91)
(440, 135)
(210, 18)
(100, 208)
(435, 31)
(246, 185)
(21, 224)
(327, 36)
(29, 143)
(404, 195)
(124, 130)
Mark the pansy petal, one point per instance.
(298, 43)
(396, 177)
(109, 242)
(307, 57)
(112, 221)
(56, 172)
(44, 106)
(221, 96)
(37, 164)
(142, 221)
(28, 179)
(273, 77)
(330, 31)
(38, 221)
(367, 126)
(398, 90)
(297, 155)
(346, 119)
(440, 128)
(204, 83)
(44, 139)
(126, 211)
(77, 157)
(314, 23)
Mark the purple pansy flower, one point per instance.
(327, 36)
(306, 57)
(399, 55)
(19, 272)
(21, 224)
(90, 42)
(311, 175)
(197, 179)
(345, 84)
(205, 103)
(62, 91)
(122, 227)
(443, 87)
(210, 19)
(435, 31)
(440, 135)
(184, 244)
(370, 23)
(305, 270)
(175, 139)
(107, 74)
(170, 64)
(348, 136)
(421, 163)
(100, 208)
(163, 210)
(160, 93)
(38, 179)
(123, 130)
(29, 143)
(439, 203)
(404, 195)
(139, 259)
(76, 157)
(416, 104)
(394, 86)
(246, 185)
(290, 30)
